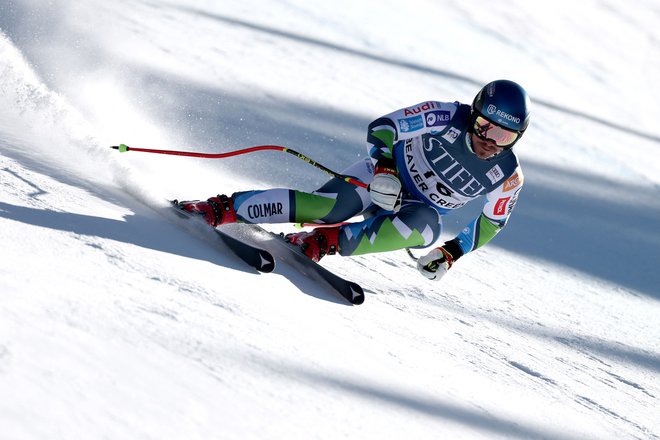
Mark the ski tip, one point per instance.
(175, 204)
(356, 294)
(267, 262)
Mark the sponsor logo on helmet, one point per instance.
(490, 89)
(493, 110)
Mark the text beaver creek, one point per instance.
(264, 210)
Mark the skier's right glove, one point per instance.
(385, 189)
(436, 263)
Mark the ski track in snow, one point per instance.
(118, 320)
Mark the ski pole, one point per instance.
(124, 148)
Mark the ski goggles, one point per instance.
(486, 130)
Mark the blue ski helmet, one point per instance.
(504, 103)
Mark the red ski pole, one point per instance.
(124, 148)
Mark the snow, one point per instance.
(119, 321)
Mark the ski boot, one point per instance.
(216, 210)
(317, 243)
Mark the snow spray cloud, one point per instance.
(29, 111)
(45, 124)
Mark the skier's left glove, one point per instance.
(436, 263)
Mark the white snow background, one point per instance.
(118, 321)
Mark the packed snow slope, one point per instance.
(118, 321)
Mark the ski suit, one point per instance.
(430, 145)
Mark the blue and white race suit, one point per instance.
(431, 147)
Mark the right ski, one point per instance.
(283, 250)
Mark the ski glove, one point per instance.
(436, 263)
(385, 189)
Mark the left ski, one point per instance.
(256, 257)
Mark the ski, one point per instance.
(260, 259)
(254, 256)
(349, 290)
(248, 241)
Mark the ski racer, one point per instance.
(424, 161)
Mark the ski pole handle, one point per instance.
(123, 148)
